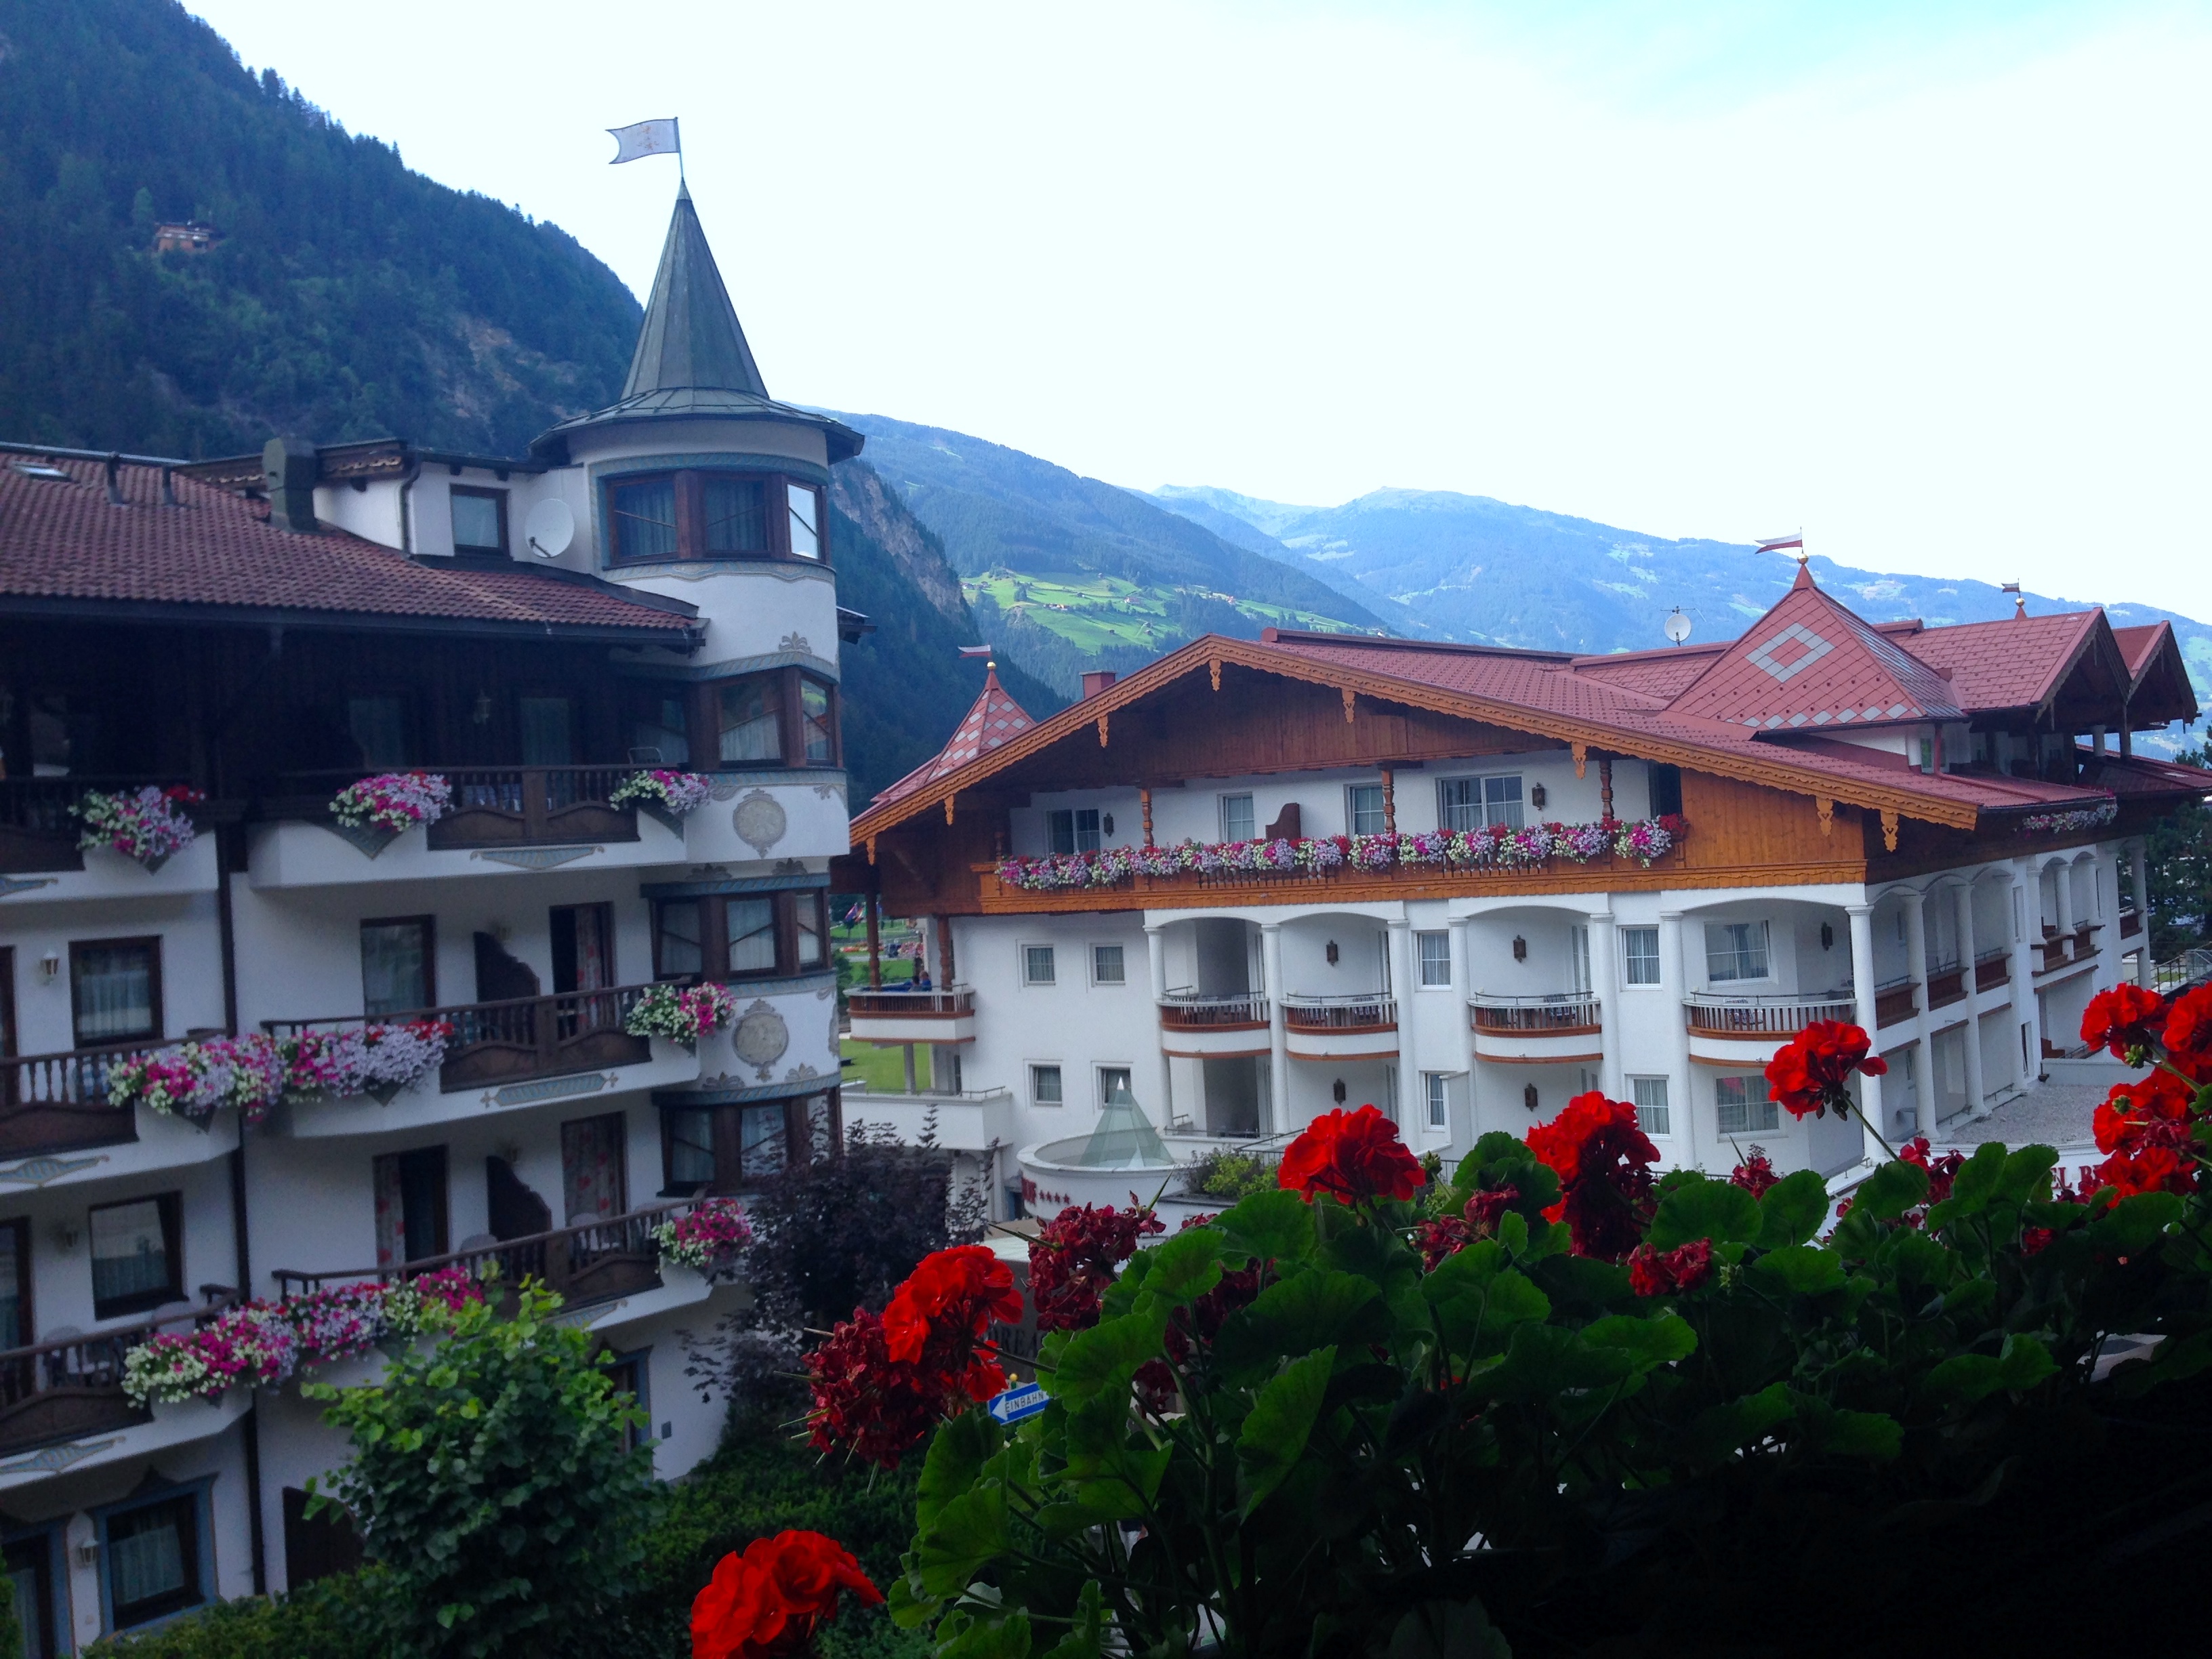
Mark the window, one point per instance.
(690, 1148)
(806, 503)
(737, 515)
(1743, 1106)
(115, 990)
(1649, 1093)
(1038, 965)
(15, 1285)
(1439, 1101)
(1736, 950)
(33, 1561)
(7, 999)
(150, 1559)
(1435, 957)
(1666, 791)
(751, 934)
(1107, 967)
(135, 1255)
(479, 520)
(1474, 803)
(1073, 831)
(548, 730)
(1364, 810)
(399, 973)
(818, 723)
(594, 1182)
(808, 923)
(1238, 823)
(676, 939)
(729, 1148)
(751, 714)
(632, 1374)
(410, 1206)
(319, 1548)
(644, 514)
(378, 726)
(741, 938)
(1044, 1085)
(658, 733)
(763, 1141)
(1112, 1081)
(1639, 956)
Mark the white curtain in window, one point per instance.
(114, 994)
(148, 1559)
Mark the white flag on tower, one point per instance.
(646, 138)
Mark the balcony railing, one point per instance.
(1947, 985)
(492, 806)
(952, 1004)
(58, 1103)
(1992, 968)
(1351, 1013)
(73, 1386)
(2130, 923)
(1894, 1002)
(1187, 1011)
(1568, 1014)
(593, 1261)
(515, 1041)
(1763, 1017)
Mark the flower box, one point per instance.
(682, 1014)
(374, 811)
(665, 797)
(708, 1239)
(149, 824)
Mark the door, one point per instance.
(1579, 937)
(593, 1181)
(410, 1206)
(583, 947)
(7, 999)
(16, 1326)
(31, 1569)
(512, 1205)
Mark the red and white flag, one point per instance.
(646, 138)
(1781, 543)
(976, 650)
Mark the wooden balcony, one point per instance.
(903, 1016)
(492, 806)
(38, 830)
(1947, 985)
(1894, 1003)
(518, 1041)
(63, 1389)
(58, 1103)
(1360, 1027)
(1747, 1031)
(597, 1261)
(1197, 1027)
(2130, 923)
(1538, 1030)
(1992, 968)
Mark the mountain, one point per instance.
(344, 296)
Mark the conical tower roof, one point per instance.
(1809, 665)
(692, 361)
(994, 717)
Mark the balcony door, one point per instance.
(593, 1182)
(583, 947)
(410, 1206)
(7, 999)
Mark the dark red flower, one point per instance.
(1350, 1156)
(1810, 1073)
(1604, 1164)
(1665, 1273)
(2149, 1166)
(2188, 1032)
(1443, 1238)
(1074, 1259)
(767, 1602)
(1755, 1174)
(2126, 1020)
(864, 1403)
(1942, 1169)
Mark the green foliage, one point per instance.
(11, 1629)
(1227, 1174)
(2179, 861)
(334, 1619)
(492, 1486)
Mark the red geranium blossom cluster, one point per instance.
(1810, 1073)
(2147, 1128)
(1352, 1156)
(1447, 1236)
(1664, 1272)
(1074, 1257)
(881, 1382)
(1943, 1168)
(1755, 1174)
(767, 1602)
(1604, 1164)
(1191, 1331)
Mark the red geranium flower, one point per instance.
(1604, 1165)
(1350, 1156)
(1755, 1174)
(962, 1289)
(864, 1402)
(2188, 1029)
(1664, 1272)
(1440, 1240)
(1073, 1258)
(767, 1602)
(1810, 1073)
(1943, 1171)
(2125, 1020)
(2151, 1166)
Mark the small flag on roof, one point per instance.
(642, 138)
(1783, 545)
(976, 650)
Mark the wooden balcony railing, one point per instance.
(58, 1103)
(516, 1041)
(953, 1004)
(491, 805)
(1777, 1018)
(2053, 952)
(60, 1390)
(1569, 1014)
(2130, 923)
(1187, 1011)
(1894, 1002)
(1992, 968)
(595, 1261)
(1947, 985)
(1353, 1013)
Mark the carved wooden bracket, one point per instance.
(1389, 802)
(1213, 670)
(1605, 787)
(871, 849)
(1581, 752)
(1145, 801)
(1348, 695)
(1889, 831)
(1101, 730)
(948, 809)
(1827, 808)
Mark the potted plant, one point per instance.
(374, 811)
(149, 824)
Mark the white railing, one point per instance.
(2187, 969)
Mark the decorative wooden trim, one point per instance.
(1888, 830)
(1144, 806)
(871, 849)
(1581, 752)
(1349, 694)
(1825, 806)
(1389, 802)
(1605, 787)
(1101, 728)
(1213, 669)
(948, 809)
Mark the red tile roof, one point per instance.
(994, 719)
(63, 540)
(2013, 664)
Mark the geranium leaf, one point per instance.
(1701, 1208)
(1087, 1639)
(1890, 1191)
(2133, 1225)
(1280, 1423)
(1186, 1267)
(1806, 1269)
(1858, 1434)
(1720, 1430)
(1298, 1315)
(1648, 1342)
(1544, 1360)
(970, 1532)
(1104, 1360)
(957, 1452)
(1276, 1226)
(961, 1636)
(1791, 1211)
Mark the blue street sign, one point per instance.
(1022, 1400)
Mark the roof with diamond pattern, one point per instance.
(995, 719)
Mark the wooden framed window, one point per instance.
(479, 520)
(154, 1556)
(716, 514)
(319, 1548)
(657, 730)
(547, 725)
(749, 926)
(594, 1178)
(377, 721)
(641, 516)
(398, 964)
(804, 530)
(734, 513)
(817, 721)
(412, 1207)
(583, 937)
(34, 1568)
(138, 1254)
(737, 937)
(632, 1374)
(679, 940)
(16, 1324)
(735, 1147)
(115, 990)
(749, 721)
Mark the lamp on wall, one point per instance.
(1827, 936)
(1331, 953)
(50, 966)
(481, 714)
(1336, 1091)
(1520, 948)
(1528, 1098)
(1106, 823)
(64, 1236)
(1535, 794)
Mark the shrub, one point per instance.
(490, 1484)
(1229, 1175)
(333, 1618)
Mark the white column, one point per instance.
(1463, 989)
(1155, 956)
(1916, 964)
(1681, 1079)
(2028, 901)
(1605, 968)
(2139, 869)
(1404, 991)
(1978, 1104)
(1861, 924)
(2062, 884)
(1278, 1054)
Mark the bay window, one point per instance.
(737, 937)
(785, 717)
(699, 514)
(736, 1145)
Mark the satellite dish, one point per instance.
(1678, 626)
(549, 529)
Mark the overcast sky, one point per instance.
(1928, 281)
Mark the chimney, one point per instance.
(1096, 681)
(289, 467)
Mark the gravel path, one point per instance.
(2055, 1114)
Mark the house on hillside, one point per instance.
(1256, 881)
(186, 236)
(499, 649)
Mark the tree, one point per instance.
(2178, 857)
(491, 1480)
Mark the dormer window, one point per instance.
(664, 516)
(479, 521)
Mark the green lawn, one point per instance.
(1108, 612)
(882, 1071)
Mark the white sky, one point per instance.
(1929, 280)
